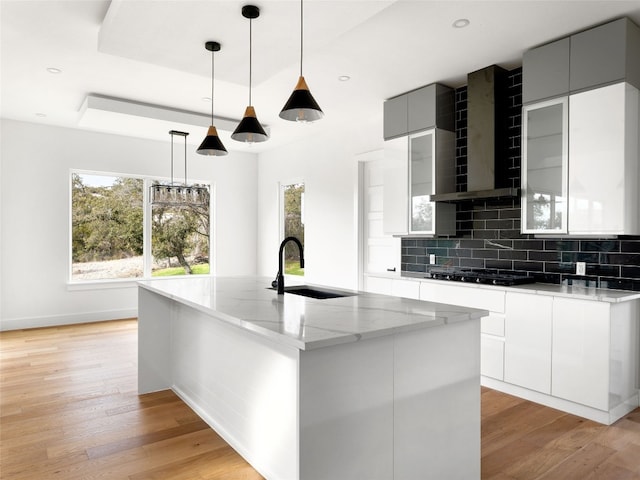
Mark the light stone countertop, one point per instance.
(301, 322)
(567, 291)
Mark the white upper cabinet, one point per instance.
(580, 172)
(603, 146)
(580, 153)
(396, 186)
(416, 167)
(419, 162)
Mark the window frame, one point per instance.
(147, 257)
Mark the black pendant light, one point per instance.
(249, 129)
(301, 106)
(212, 145)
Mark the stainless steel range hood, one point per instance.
(486, 136)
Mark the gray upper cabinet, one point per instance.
(545, 71)
(605, 54)
(594, 58)
(396, 117)
(427, 107)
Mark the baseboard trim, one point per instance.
(68, 319)
(600, 416)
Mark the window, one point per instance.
(110, 226)
(180, 240)
(292, 199)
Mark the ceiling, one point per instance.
(145, 66)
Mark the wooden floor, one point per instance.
(69, 410)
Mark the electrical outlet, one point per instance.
(432, 259)
(581, 268)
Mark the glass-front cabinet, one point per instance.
(416, 167)
(421, 175)
(545, 166)
(431, 171)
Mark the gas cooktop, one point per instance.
(478, 276)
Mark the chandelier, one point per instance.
(176, 194)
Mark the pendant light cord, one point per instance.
(301, 37)
(212, 77)
(250, 56)
(171, 158)
(185, 160)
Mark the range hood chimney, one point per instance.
(486, 136)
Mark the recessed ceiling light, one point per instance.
(54, 70)
(41, 115)
(206, 99)
(344, 78)
(461, 23)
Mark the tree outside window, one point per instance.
(108, 231)
(293, 214)
(107, 227)
(180, 240)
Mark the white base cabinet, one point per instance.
(528, 341)
(581, 338)
(594, 355)
(492, 356)
(579, 356)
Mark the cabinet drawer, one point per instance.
(492, 356)
(473, 297)
(493, 324)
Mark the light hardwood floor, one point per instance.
(69, 410)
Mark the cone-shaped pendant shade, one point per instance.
(249, 129)
(211, 145)
(301, 106)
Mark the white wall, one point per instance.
(34, 221)
(327, 164)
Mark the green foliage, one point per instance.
(108, 224)
(201, 269)
(107, 221)
(292, 267)
(181, 233)
(293, 226)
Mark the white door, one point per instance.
(381, 251)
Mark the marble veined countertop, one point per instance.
(569, 291)
(301, 322)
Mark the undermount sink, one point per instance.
(315, 292)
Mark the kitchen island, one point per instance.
(363, 386)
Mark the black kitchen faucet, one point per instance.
(279, 281)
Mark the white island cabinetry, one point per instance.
(363, 386)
